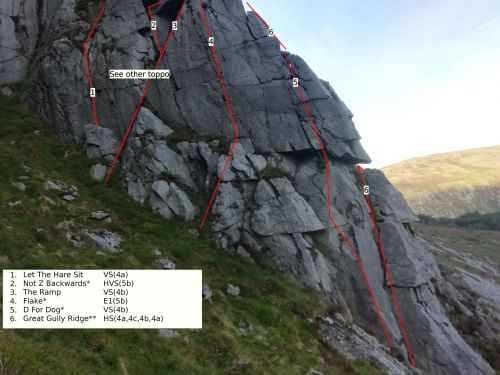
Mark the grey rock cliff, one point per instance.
(272, 200)
(19, 30)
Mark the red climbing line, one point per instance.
(235, 127)
(265, 24)
(389, 278)
(155, 32)
(85, 53)
(134, 117)
(346, 240)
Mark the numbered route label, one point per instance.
(39, 299)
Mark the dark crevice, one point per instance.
(170, 9)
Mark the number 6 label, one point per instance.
(366, 190)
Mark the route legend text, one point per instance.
(102, 299)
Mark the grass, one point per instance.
(462, 169)
(480, 243)
(473, 220)
(450, 184)
(282, 341)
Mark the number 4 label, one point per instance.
(92, 92)
(174, 25)
(153, 25)
(366, 190)
(295, 82)
(211, 41)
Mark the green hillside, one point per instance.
(450, 184)
(282, 340)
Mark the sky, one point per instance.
(420, 76)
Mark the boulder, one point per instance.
(245, 328)
(168, 333)
(100, 142)
(102, 239)
(98, 172)
(207, 293)
(100, 215)
(19, 185)
(61, 188)
(147, 122)
(169, 201)
(6, 91)
(166, 263)
(314, 372)
(233, 290)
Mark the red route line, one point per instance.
(130, 126)
(155, 32)
(346, 240)
(265, 24)
(377, 234)
(85, 52)
(235, 127)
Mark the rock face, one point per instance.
(19, 31)
(272, 200)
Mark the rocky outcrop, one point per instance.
(19, 31)
(272, 201)
(354, 343)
